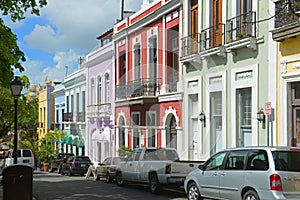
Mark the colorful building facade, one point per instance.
(228, 59)
(286, 33)
(148, 101)
(100, 140)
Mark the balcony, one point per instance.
(99, 111)
(68, 117)
(286, 20)
(240, 27)
(190, 45)
(80, 117)
(145, 90)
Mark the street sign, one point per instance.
(268, 108)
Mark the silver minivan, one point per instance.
(247, 173)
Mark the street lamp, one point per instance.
(202, 118)
(16, 88)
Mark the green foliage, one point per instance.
(46, 148)
(17, 8)
(123, 151)
(10, 55)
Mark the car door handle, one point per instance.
(222, 174)
(215, 174)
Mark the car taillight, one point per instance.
(168, 169)
(73, 164)
(275, 182)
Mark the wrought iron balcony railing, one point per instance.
(286, 14)
(68, 117)
(190, 45)
(213, 36)
(80, 117)
(138, 88)
(240, 27)
(99, 110)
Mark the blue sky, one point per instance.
(65, 30)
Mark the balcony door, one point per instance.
(216, 33)
(244, 25)
(194, 25)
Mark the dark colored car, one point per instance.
(108, 169)
(58, 160)
(76, 165)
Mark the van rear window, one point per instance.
(287, 160)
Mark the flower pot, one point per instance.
(46, 167)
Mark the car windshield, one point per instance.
(287, 160)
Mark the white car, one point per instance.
(25, 157)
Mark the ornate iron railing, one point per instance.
(138, 88)
(285, 13)
(99, 110)
(241, 26)
(213, 36)
(190, 45)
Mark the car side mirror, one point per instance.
(201, 167)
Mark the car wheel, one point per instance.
(119, 179)
(154, 184)
(108, 178)
(251, 195)
(193, 193)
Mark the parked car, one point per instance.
(25, 156)
(58, 160)
(108, 169)
(247, 173)
(157, 167)
(76, 165)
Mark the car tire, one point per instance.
(251, 195)
(193, 192)
(119, 179)
(154, 184)
(108, 178)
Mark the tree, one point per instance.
(10, 54)
(16, 8)
(46, 148)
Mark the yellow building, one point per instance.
(287, 34)
(46, 107)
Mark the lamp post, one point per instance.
(16, 88)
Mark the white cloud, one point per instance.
(76, 24)
(67, 29)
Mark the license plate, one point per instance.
(25, 161)
(82, 165)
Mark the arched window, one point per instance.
(107, 88)
(99, 90)
(92, 91)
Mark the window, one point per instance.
(92, 91)
(137, 61)
(153, 58)
(216, 121)
(122, 68)
(150, 120)
(107, 88)
(243, 117)
(135, 122)
(257, 160)
(287, 160)
(236, 160)
(215, 162)
(99, 90)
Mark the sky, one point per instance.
(65, 31)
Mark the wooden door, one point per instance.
(216, 33)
